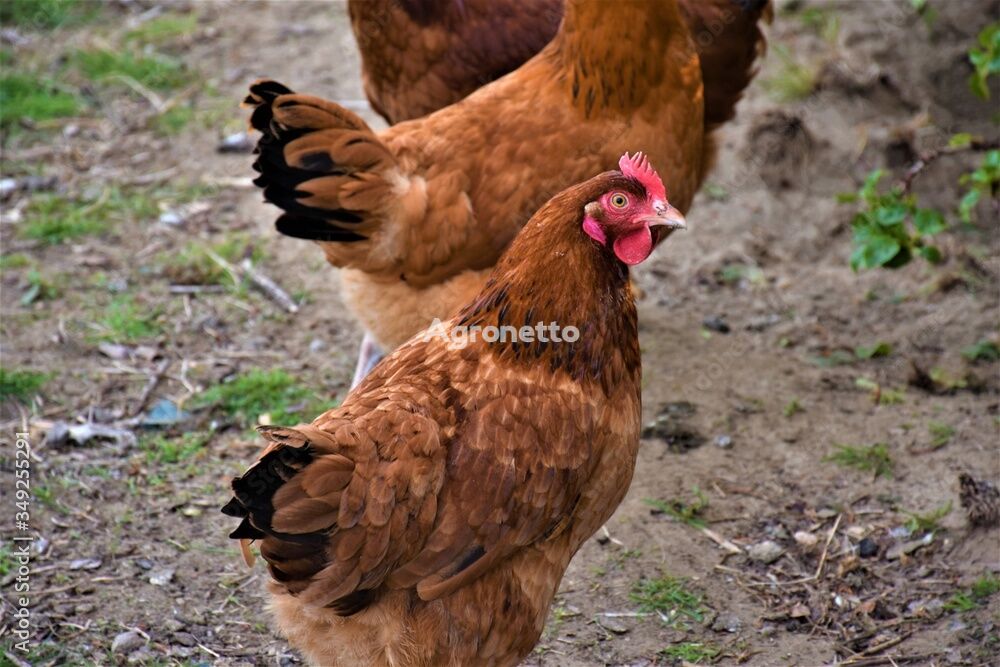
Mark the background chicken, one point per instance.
(418, 57)
(430, 518)
(417, 214)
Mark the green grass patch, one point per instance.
(20, 384)
(981, 590)
(867, 458)
(693, 653)
(257, 392)
(686, 512)
(172, 121)
(193, 266)
(792, 408)
(40, 288)
(163, 450)
(126, 322)
(941, 434)
(670, 598)
(793, 81)
(34, 98)
(55, 219)
(929, 521)
(163, 29)
(46, 14)
(151, 70)
(881, 395)
(14, 261)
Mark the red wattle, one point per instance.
(635, 246)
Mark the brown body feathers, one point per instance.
(418, 213)
(429, 519)
(418, 56)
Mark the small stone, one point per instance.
(85, 564)
(126, 642)
(716, 323)
(855, 532)
(765, 552)
(317, 345)
(161, 576)
(172, 218)
(726, 622)
(173, 625)
(867, 548)
(185, 639)
(191, 511)
(144, 563)
(723, 442)
(238, 142)
(799, 610)
(612, 625)
(805, 539)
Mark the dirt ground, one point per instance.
(749, 325)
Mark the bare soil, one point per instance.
(130, 542)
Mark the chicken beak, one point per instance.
(667, 216)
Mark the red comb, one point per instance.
(638, 167)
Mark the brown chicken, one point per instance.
(429, 519)
(417, 215)
(418, 56)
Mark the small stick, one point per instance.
(721, 541)
(147, 391)
(270, 288)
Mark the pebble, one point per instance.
(85, 564)
(161, 576)
(867, 548)
(724, 441)
(172, 218)
(126, 642)
(238, 142)
(765, 552)
(317, 345)
(173, 625)
(726, 622)
(185, 639)
(716, 323)
(805, 539)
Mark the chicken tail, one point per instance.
(729, 40)
(320, 163)
(293, 527)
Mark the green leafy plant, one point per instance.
(985, 59)
(671, 598)
(45, 14)
(984, 350)
(151, 70)
(889, 228)
(880, 395)
(868, 458)
(40, 288)
(983, 181)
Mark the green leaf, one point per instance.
(879, 349)
(960, 140)
(874, 247)
(870, 188)
(891, 215)
(967, 205)
(928, 222)
(930, 253)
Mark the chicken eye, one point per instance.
(618, 200)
